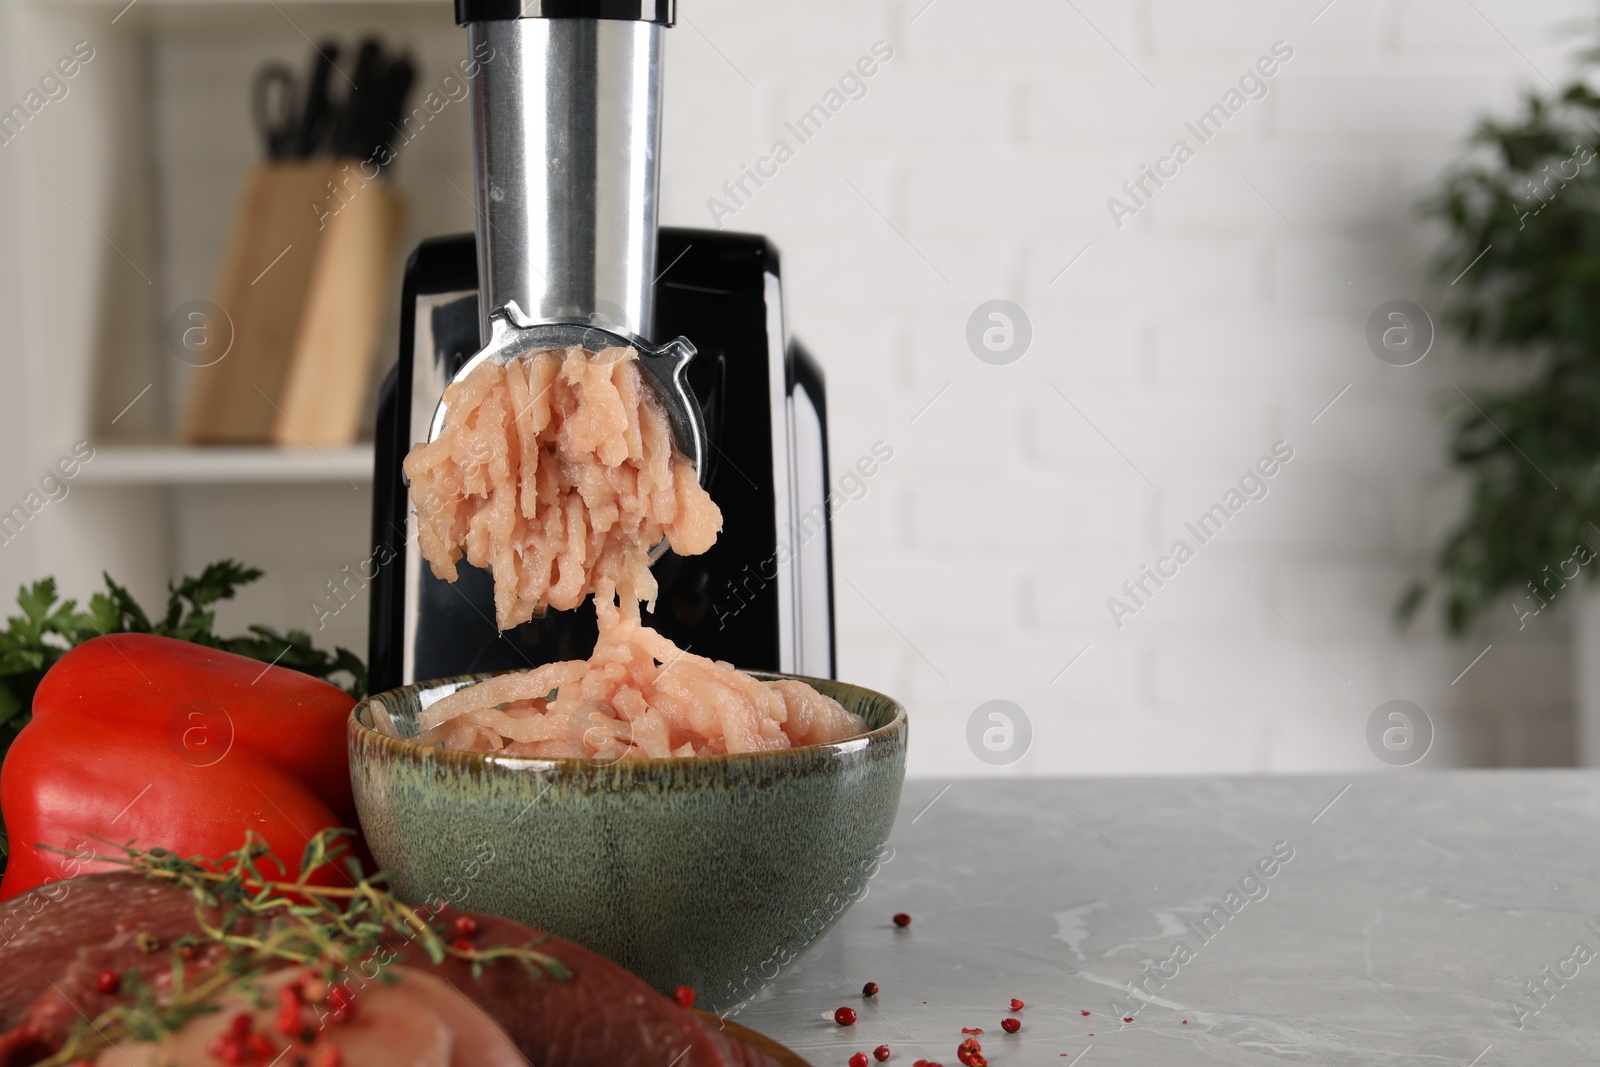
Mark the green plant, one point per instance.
(1523, 262)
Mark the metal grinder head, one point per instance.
(566, 137)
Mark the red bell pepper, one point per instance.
(171, 745)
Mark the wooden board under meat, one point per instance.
(781, 1054)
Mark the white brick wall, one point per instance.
(1209, 326)
(1203, 330)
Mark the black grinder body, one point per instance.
(761, 598)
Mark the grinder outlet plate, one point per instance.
(513, 336)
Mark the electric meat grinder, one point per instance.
(566, 131)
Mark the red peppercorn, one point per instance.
(880, 1053)
(684, 996)
(970, 1053)
(1017, 1005)
(1011, 1026)
(461, 944)
(1186, 1022)
(972, 1029)
(902, 919)
(870, 989)
(239, 1043)
(858, 1060)
(466, 926)
(288, 1023)
(108, 981)
(1086, 1013)
(845, 1016)
(342, 1003)
(1127, 1018)
(228, 1049)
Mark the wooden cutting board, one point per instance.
(760, 1042)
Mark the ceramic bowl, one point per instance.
(711, 872)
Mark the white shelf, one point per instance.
(201, 465)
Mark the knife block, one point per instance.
(304, 284)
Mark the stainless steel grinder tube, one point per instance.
(566, 133)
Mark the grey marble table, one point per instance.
(1405, 921)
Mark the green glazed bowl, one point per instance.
(714, 872)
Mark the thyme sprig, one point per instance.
(252, 919)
